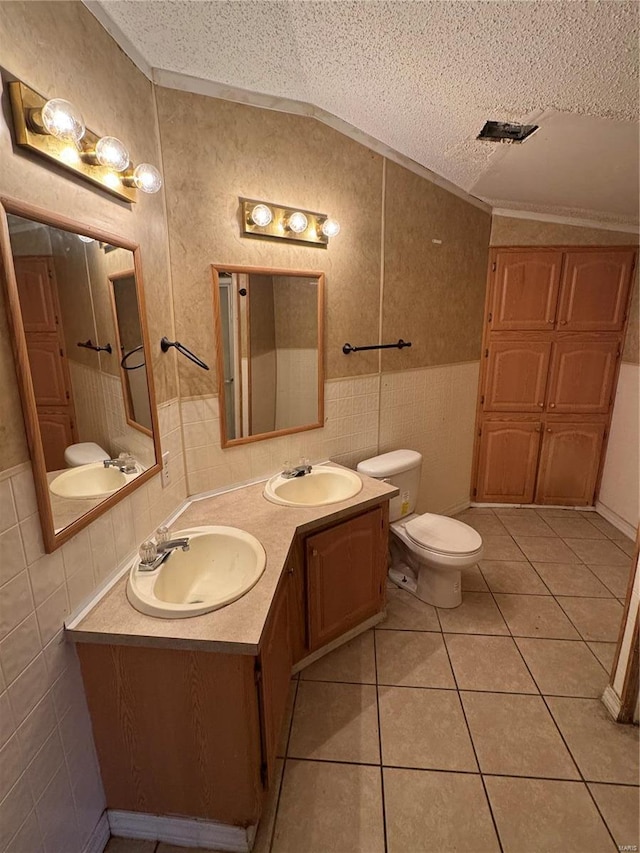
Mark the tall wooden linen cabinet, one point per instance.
(553, 335)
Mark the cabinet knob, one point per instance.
(563, 322)
(552, 405)
(541, 405)
(548, 429)
(550, 321)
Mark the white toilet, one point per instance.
(84, 453)
(428, 552)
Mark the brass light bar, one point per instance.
(24, 103)
(278, 227)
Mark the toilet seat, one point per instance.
(441, 535)
(84, 453)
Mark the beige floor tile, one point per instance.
(545, 816)
(413, 659)
(531, 525)
(329, 808)
(598, 552)
(427, 812)
(488, 663)
(355, 661)
(615, 578)
(515, 512)
(515, 736)
(547, 549)
(408, 613)
(486, 525)
(595, 618)
(501, 548)
(262, 843)
(620, 808)
(627, 546)
(574, 527)
(130, 845)
(472, 580)
(606, 527)
(571, 579)
(281, 749)
(605, 653)
(424, 728)
(173, 848)
(605, 751)
(564, 667)
(338, 722)
(512, 576)
(535, 616)
(554, 512)
(477, 614)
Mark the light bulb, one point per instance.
(297, 222)
(85, 239)
(147, 178)
(261, 215)
(110, 152)
(330, 227)
(62, 120)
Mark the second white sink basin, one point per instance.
(88, 481)
(221, 565)
(324, 485)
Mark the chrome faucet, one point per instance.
(125, 463)
(153, 555)
(297, 471)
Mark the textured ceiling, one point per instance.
(422, 77)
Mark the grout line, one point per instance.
(384, 805)
(284, 759)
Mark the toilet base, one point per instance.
(440, 589)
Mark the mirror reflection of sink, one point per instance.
(88, 482)
(321, 487)
(221, 565)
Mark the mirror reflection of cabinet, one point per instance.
(269, 332)
(74, 298)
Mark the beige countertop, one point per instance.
(236, 628)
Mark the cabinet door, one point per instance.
(526, 290)
(57, 431)
(48, 373)
(345, 576)
(569, 462)
(275, 678)
(516, 376)
(581, 377)
(508, 461)
(38, 305)
(595, 286)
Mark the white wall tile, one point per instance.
(13, 558)
(37, 727)
(28, 689)
(7, 725)
(8, 515)
(15, 808)
(11, 764)
(24, 494)
(46, 575)
(19, 648)
(27, 838)
(16, 602)
(52, 613)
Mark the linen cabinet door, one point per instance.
(582, 376)
(525, 290)
(345, 576)
(569, 463)
(508, 461)
(595, 287)
(516, 376)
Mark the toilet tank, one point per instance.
(401, 468)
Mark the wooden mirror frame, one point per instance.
(216, 269)
(53, 540)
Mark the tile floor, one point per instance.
(474, 729)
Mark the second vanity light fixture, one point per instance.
(264, 219)
(56, 130)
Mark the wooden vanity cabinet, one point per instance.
(508, 461)
(569, 462)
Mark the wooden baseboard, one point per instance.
(613, 518)
(185, 832)
(100, 836)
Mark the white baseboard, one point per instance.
(613, 518)
(459, 507)
(99, 838)
(339, 641)
(611, 702)
(182, 831)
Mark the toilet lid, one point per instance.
(84, 453)
(443, 535)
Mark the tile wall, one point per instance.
(51, 795)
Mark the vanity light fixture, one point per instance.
(264, 219)
(56, 130)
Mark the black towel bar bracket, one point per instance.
(165, 343)
(347, 348)
(88, 344)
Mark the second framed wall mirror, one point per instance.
(76, 308)
(270, 351)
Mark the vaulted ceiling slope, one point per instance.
(422, 77)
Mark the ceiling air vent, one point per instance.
(504, 131)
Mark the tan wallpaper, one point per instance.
(215, 151)
(433, 292)
(116, 98)
(511, 231)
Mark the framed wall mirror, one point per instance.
(270, 351)
(75, 304)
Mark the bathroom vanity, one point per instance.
(187, 713)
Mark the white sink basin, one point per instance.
(88, 481)
(221, 565)
(322, 486)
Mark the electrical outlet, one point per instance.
(166, 473)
